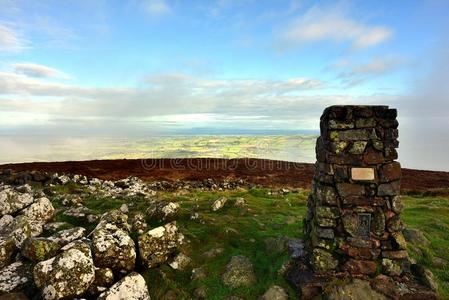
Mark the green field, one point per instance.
(298, 148)
(246, 231)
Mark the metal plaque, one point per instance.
(364, 226)
(363, 174)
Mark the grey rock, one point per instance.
(275, 292)
(239, 272)
(131, 287)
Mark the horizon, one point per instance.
(144, 68)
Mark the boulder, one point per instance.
(156, 245)
(55, 226)
(12, 237)
(239, 272)
(38, 214)
(39, 249)
(131, 287)
(163, 211)
(12, 201)
(115, 217)
(79, 212)
(16, 277)
(69, 235)
(275, 292)
(113, 248)
(67, 275)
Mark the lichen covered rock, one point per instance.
(15, 277)
(12, 237)
(163, 211)
(64, 237)
(12, 201)
(39, 249)
(67, 275)
(38, 213)
(157, 244)
(131, 287)
(239, 272)
(113, 248)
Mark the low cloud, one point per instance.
(331, 23)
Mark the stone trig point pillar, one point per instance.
(353, 223)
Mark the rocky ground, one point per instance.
(70, 236)
(255, 171)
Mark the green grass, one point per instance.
(243, 231)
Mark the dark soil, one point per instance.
(257, 171)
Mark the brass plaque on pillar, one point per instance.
(362, 174)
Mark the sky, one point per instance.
(151, 67)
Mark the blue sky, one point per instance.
(151, 66)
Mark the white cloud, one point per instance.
(38, 71)
(156, 7)
(354, 74)
(10, 40)
(332, 23)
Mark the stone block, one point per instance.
(390, 172)
(365, 123)
(373, 157)
(389, 189)
(326, 194)
(353, 135)
(338, 124)
(350, 189)
(358, 147)
(400, 254)
(366, 267)
(323, 260)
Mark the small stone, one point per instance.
(124, 209)
(275, 245)
(104, 277)
(180, 262)
(131, 287)
(55, 226)
(213, 252)
(396, 204)
(239, 201)
(350, 223)
(219, 203)
(275, 292)
(338, 147)
(239, 272)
